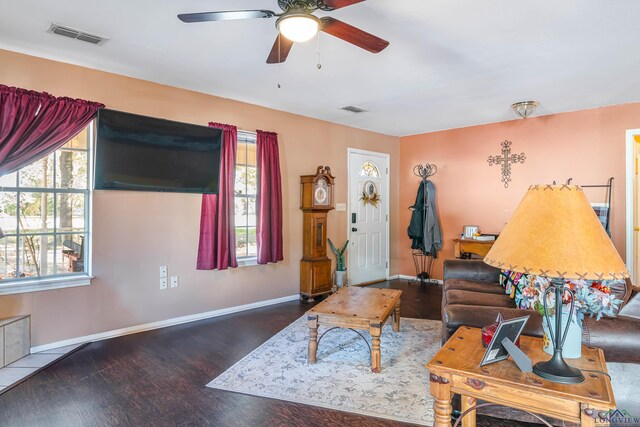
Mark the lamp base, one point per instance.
(558, 371)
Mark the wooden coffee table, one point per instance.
(456, 369)
(356, 308)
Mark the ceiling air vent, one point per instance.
(72, 33)
(353, 109)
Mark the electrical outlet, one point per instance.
(163, 271)
(174, 281)
(163, 283)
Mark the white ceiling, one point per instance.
(451, 63)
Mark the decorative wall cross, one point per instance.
(505, 160)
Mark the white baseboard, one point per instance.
(162, 324)
(394, 277)
(407, 277)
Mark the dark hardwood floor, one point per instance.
(158, 378)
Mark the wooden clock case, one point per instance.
(315, 266)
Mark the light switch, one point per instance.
(341, 207)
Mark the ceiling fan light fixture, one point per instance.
(298, 27)
(525, 108)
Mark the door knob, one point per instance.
(354, 229)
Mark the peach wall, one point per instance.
(134, 233)
(588, 146)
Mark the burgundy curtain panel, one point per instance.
(35, 124)
(269, 199)
(217, 247)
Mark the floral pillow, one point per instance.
(593, 297)
(509, 280)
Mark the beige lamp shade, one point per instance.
(555, 232)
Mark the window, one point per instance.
(44, 220)
(245, 198)
(369, 169)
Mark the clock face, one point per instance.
(321, 193)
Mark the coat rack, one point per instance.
(425, 171)
(423, 261)
(604, 217)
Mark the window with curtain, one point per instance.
(246, 189)
(44, 219)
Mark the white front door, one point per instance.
(368, 216)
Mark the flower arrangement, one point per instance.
(591, 297)
(373, 199)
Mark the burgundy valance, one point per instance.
(34, 124)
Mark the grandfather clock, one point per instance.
(316, 195)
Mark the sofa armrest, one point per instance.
(616, 336)
(474, 270)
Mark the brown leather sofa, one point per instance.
(472, 296)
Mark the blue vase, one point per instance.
(572, 348)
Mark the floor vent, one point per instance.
(353, 109)
(76, 34)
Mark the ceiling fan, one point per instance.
(297, 23)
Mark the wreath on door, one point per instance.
(370, 194)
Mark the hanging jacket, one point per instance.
(424, 230)
(416, 225)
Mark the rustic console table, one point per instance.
(464, 248)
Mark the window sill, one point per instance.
(247, 262)
(45, 284)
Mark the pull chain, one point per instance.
(319, 64)
(279, 50)
(318, 52)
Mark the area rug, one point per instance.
(342, 378)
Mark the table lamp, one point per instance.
(555, 233)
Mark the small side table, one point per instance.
(456, 369)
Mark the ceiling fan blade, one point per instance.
(225, 15)
(353, 35)
(280, 50)
(337, 4)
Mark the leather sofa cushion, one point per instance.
(622, 291)
(632, 308)
(458, 296)
(469, 285)
(458, 315)
(474, 270)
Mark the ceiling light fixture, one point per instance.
(525, 108)
(298, 27)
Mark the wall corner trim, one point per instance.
(629, 199)
(162, 324)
